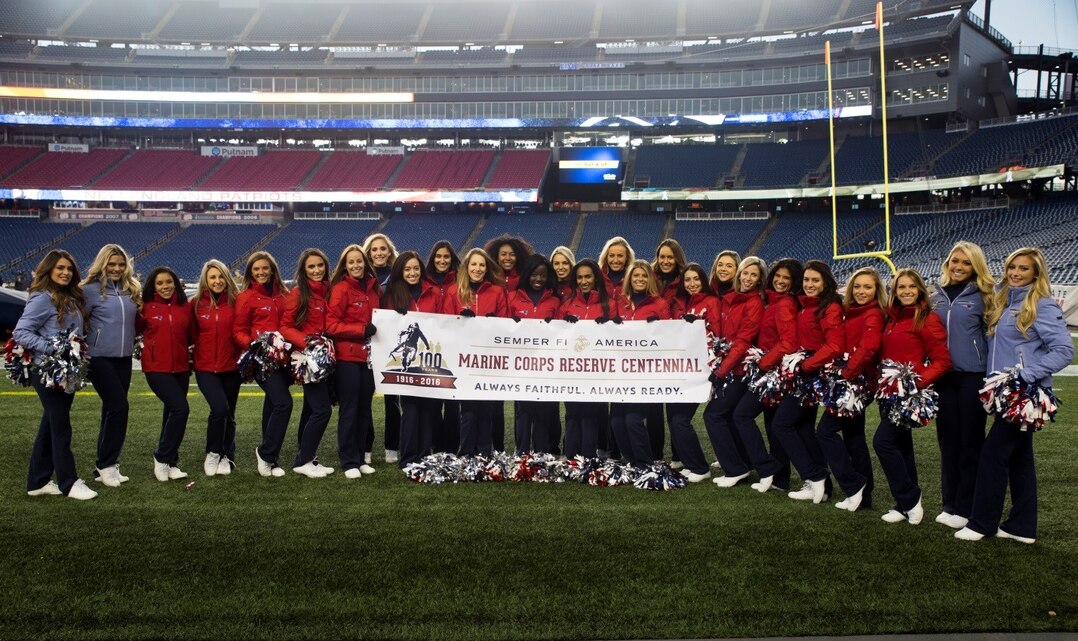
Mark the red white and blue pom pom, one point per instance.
(316, 362)
(18, 362)
(844, 398)
(899, 395)
(1030, 405)
(65, 368)
(267, 354)
(659, 478)
(809, 389)
(718, 349)
(540, 468)
(136, 349)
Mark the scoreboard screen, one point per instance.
(590, 165)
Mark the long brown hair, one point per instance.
(920, 306)
(493, 275)
(303, 286)
(66, 299)
(275, 279)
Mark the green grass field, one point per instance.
(384, 558)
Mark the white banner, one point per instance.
(385, 151)
(69, 148)
(449, 357)
(229, 152)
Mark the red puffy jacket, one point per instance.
(521, 305)
(589, 307)
(488, 300)
(441, 290)
(651, 306)
(348, 314)
(167, 334)
(668, 290)
(903, 343)
(864, 334)
(314, 324)
(778, 329)
(215, 349)
(824, 337)
(614, 290)
(705, 306)
(257, 312)
(741, 316)
(429, 300)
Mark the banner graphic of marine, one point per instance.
(449, 357)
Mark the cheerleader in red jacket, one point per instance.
(742, 311)
(616, 256)
(259, 309)
(669, 263)
(916, 336)
(562, 260)
(508, 252)
(383, 253)
(842, 439)
(167, 333)
(408, 290)
(216, 373)
(724, 272)
(442, 266)
(694, 301)
(480, 292)
(589, 301)
(640, 303)
(304, 318)
(777, 338)
(534, 300)
(353, 297)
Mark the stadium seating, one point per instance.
(15, 50)
(710, 18)
(860, 158)
(158, 169)
(118, 19)
(420, 231)
(331, 236)
(18, 236)
(702, 240)
(520, 169)
(187, 251)
(544, 231)
(63, 169)
(110, 55)
(427, 169)
(353, 171)
(286, 22)
(85, 243)
(637, 18)
(307, 57)
(642, 230)
(987, 150)
(681, 166)
(33, 17)
(272, 170)
(781, 165)
(12, 158)
(206, 22)
(471, 22)
(381, 22)
(551, 21)
(802, 16)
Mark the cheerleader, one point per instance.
(640, 302)
(742, 311)
(216, 373)
(1026, 329)
(842, 439)
(508, 252)
(259, 309)
(534, 299)
(589, 301)
(305, 318)
(669, 263)
(383, 253)
(168, 329)
(354, 295)
(55, 305)
(724, 272)
(694, 301)
(442, 266)
(408, 290)
(480, 291)
(562, 260)
(777, 338)
(916, 336)
(962, 300)
(113, 297)
(617, 254)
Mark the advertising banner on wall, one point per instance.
(229, 152)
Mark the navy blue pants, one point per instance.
(112, 379)
(774, 463)
(475, 427)
(795, 426)
(632, 434)
(221, 392)
(416, 428)
(1007, 458)
(683, 436)
(656, 429)
(171, 389)
(960, 433)
(392, 424)
(52, 445)
(843, 443)
(582, 424)
(276, 413)
(534, 422)
(355, 390)
(724, 437)
(894, 449)
(446, 426)
(497, 426)
(313, 419)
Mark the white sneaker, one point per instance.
(119, 475)
(109, 476)
(952, 520)
(277, 471)
(844, 504)
(175, 473)
(693, 477)
(310, 470)
(716, 465)
(966, 534)
(730, 481)
(1004, 534)
(353, 473)
(915, 515)
(367, 458)
(48, 489)
(893, 516)
(944, 518)
(676, 465)
(810, 491)
(763, 485)
(160, 470)
(854, 501)
(392, 456)
(209, 466)
(80, 492)
(264, 468)
(366, 469)
(326, 471)
(224, 466)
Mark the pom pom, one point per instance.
(767, 384)
(66, 366)
(842, 397)
(267, 354)
(718, 349)
(316, 362)
(1029, 405)
(136, 349)
(18, 362)
(659, 477)
(541, 468)
(808, 388)
(906, 404)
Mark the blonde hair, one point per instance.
(1041, 289)
(389, 243)
(982, 277)
(493, 275)
(749, 261)
(627, 286)
(564, 251)
(614, 242)
(881, 291)
(204, 282)
(715, 263)
(99, 273)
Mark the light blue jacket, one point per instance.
(38, 324)
(1047, 350)
(964, 319)
(111, 320)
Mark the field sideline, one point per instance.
(382, 557)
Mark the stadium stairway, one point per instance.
(314, 171)
(578, 233)
(491, 169)
(392, 180)
(40, 249)
(241, 261)
(761, 238)
(473, 237)
(157, 243)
